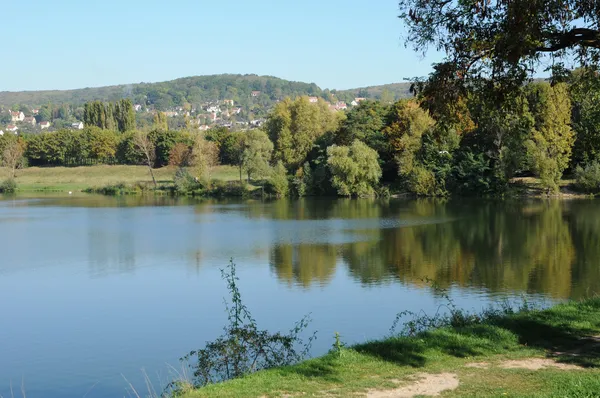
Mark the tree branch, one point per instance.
(578, 36)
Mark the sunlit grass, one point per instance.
(80, 178)
(390, 363)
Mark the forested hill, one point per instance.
(200, 89)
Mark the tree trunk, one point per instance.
(152, 174)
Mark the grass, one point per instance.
(387, 364)
(64, 179)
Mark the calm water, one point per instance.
(95, 291)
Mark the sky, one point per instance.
(337, 44)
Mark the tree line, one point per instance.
(465, 142)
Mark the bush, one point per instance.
(243, 348)
(224, 189)
(8, 186)
(588, 177)
(422, 181)
(186, 184)
(122, 189)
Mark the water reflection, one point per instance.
(545, 247)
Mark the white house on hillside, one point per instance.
(30, 120)
(1, 132)
(12, 127)
(77, 126)
(313, 100)
(17, 116)
(44, 125)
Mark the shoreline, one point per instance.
(135, 180)
(548, 352)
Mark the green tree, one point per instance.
(102, 144)
(278, 182)
(256, 154)
(355, 169)
(124, 115)
(504, 40)
(294, 126)
(204, 156)
(552, 139)
(585, 97)
(160, 121)
(406, 125)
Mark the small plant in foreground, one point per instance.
(338, 346)
(243, 348)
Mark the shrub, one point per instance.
(185, 183)
(422, 181)
(244, 348)
(588, 177)
(228, 188)
(8, 186)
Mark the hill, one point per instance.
(395, 90)
(245, 90)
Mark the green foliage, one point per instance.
(99, 114)
(164, 141)
(549, 148)
(8, 186)
(355, 169)
(294, 126)
(366, 123)
(588, 177)
(186, 183)
(585, 96)
(407, 122)
(278, 183)
(302, 181)
(472, 175)
(421, 181)
(503, 42)
(127, 152)
(226, 189)
(256, 154)
(121, 189)
(244, 348)
(160, 121)
(338, 346)
(124, 115)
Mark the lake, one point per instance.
(96, 292)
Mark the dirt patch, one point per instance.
(429, 385)
(537, 364)
(478, 365)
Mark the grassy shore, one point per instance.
(57, 179)
(550, 353)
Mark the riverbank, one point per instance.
(554, 352)
(108, 179)
(65, 179)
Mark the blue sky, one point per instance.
(340, 44)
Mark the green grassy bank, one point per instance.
(535, 353)
(59, 179)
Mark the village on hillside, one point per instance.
(218, 113)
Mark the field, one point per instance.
(58, 179)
